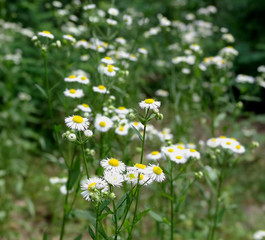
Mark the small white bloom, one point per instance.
(69, 38)
(122, 130)
(113, 178)
(114, 165)
(113, 12)
(89, 6)
(100, 89)
(74, 93)
(155, 173)
(46, 34)
(77, 123)
(154, 156)
(71, 78)
(149, 103)
(83, 80)
(102, 123)
(213, 142)
(111, 22)
(84, 107)
(107, 60)
(120, 40)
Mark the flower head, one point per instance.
(102, 123)
(113, 164)
(77, 122)
(149, 103)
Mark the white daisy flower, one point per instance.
(161, 93)
(111, 22)
(54, 180)
(139, 167)
(102, 123)
(259, 235)
(82, 43)
(114, 165)
(229, 143)
(179, 157)
(122, 110)
(110, 70)
(84, 107)
(100, 89)
(98, 183)
(195, 47)
(238, 149)
(154, 156)
(169, 150)
(213, 142)
(77, 123)
(89, 6)
(149, 103)
(46, 34)
(113, 178)
(71, 78)
(155, 173)
(127, 19)
(122, 130)
(133, 58)
(135, 177)
(120, 40)
(83, 80)
(69, 38)
(74, 93)
(107, 60)
(131, 176)
(192, 153)
(113, 12)
(143, 51)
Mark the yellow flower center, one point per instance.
(72, 91)
(110, 68)
(135, 123)
(83, 40)
(85, 105)
(99, 47)
(149, 100)
(102, 124)
(91, 185)
(228, 143)
(121, 129)
(178, 157)
(180, 147)
(69, 35)
(155, 152)
(141, 177)
(72, 76)
(192, 150)
(105, 44)
(114, 162)
(78, 119)
(83, 78)
(139, 165)
(47, 32)
(131, 176)
(213, 140)
(107, 58)
(157, 170)
(170, 150)
(223, 137)
(121, 108)
(238, 146)
(101, 87)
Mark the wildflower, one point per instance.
(213, 142)
(120, 40)
(111, 21)
(229, 143)
(110, 70)
(102, 123)
(127, 19)
(82, 43)
(195, 47)
(155, 173)
(137, 125)
(107, 60)
(259, 235)
(69, 38)
(161, 93)
(77, 123)
(113, 165)
(71, 137)
(100, 89)
(228, 51)
(88, 186)
(84, 107)
(149, 103)
(71, 78)
(89, 6)
(113, 178)
(83, 80)
(113, 12)
(155, 155)
(139, 167)
(88, 133)
(122, 110)
(238, 148)
(54, 180)
(46, 34)
(74, 93)
(241, 78)
(122, 130)
(192, 153)
(143, 51)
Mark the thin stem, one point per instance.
(217, 206)
(84, 155)
(96, 237)
(171, 202)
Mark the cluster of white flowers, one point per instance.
(116, 173)
(226, 143)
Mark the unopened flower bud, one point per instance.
(255, 144)
(198, 175)
(112, 196)
(239, 104)
(71, 137)
(88, 133)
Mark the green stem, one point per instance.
(171, 202)
(96, 237)
(217, 206)
(84, 155)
